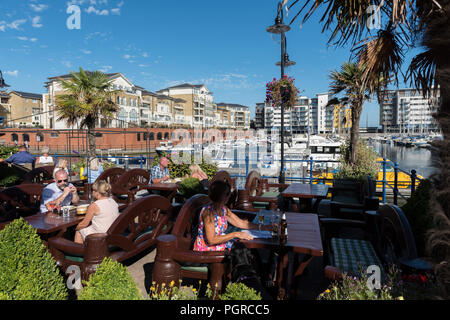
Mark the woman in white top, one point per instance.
(45, 159)
(62, 164)
(101, 214)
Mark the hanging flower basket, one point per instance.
(282, 91)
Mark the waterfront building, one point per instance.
(239, 115)
(20, 109)
(199, 105)
(408, 111)
(259, 116)
(338, 119)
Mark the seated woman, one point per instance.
(45, 159)
(197, 172)
(102, 213)
(214, 220)
(95, 170)
(62, 164)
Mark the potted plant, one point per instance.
(282, 91)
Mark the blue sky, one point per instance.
(223, 44)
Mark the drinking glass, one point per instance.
(260, 220)
(66, 212)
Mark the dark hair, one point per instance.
(219, 191)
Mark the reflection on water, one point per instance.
(420, 159)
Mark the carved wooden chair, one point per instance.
(110, 175)
(259, 194)
(128, 184)
(20, 201)
(175, 258)
(134, 231)
(225, 176)
(38, 175)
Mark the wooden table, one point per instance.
(303, 237)
(49, 223)
(167, 190)
(305, 192)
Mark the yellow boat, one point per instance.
(403, 180)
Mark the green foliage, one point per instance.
(8, 175)
(417, 211)
(366, 163)
(111, 281)
(27, 270)
(276, 92)
(6, 152)
(190, 187)
(181, 170)
(239, 291)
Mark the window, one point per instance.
(138, 137)
(166, 136)
(26, 137)
(14, 137)
(159, 136)
(39, 137)
(152, 136)
(145, 136)
(54, 135)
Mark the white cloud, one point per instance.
(145, 55)
(38, 7)
(105, 69)
(36, 22)
(67, 64)
(127, 56)
(86, 51)
(27, 39)
(103, 12)
(16, 24)
(14, 73)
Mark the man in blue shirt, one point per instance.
(160, 173)
(59, 193)
(22, 157)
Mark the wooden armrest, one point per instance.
(200, 256)
(262, 199)
(347, 205)
(341, 222)
(66, 246)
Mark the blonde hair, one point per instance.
(195, 168)
(61, 162)
(45, 150)
(94, 164)
(102, 187)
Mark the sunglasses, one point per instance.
(65, 180)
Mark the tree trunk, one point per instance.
(91, 140)
(354, 132)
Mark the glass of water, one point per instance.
(66, 212)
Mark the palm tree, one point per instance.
(87, 100)
(350, 80)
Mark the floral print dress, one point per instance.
(220, 227)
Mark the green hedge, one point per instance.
(27, 270)
(190, 187)
(181, 170)
(111, 281)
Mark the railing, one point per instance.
(142, 160)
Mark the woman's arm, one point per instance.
(214, 239)
(92, 210)
(244, 224)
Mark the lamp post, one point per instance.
(280, 28)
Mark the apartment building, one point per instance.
(223, 117)
(408, 111)
(239, 115)
(20, 109)
(259, 115)
(338, 119)
(138, 107)
(200, 110)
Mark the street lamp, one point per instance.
(280, 28)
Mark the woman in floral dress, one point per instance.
(214, 220)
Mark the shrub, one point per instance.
(6, 152)
(111, 281)
(417, 210)
(190, 187)
(239, 291)
(366, 163)
(27, 270)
